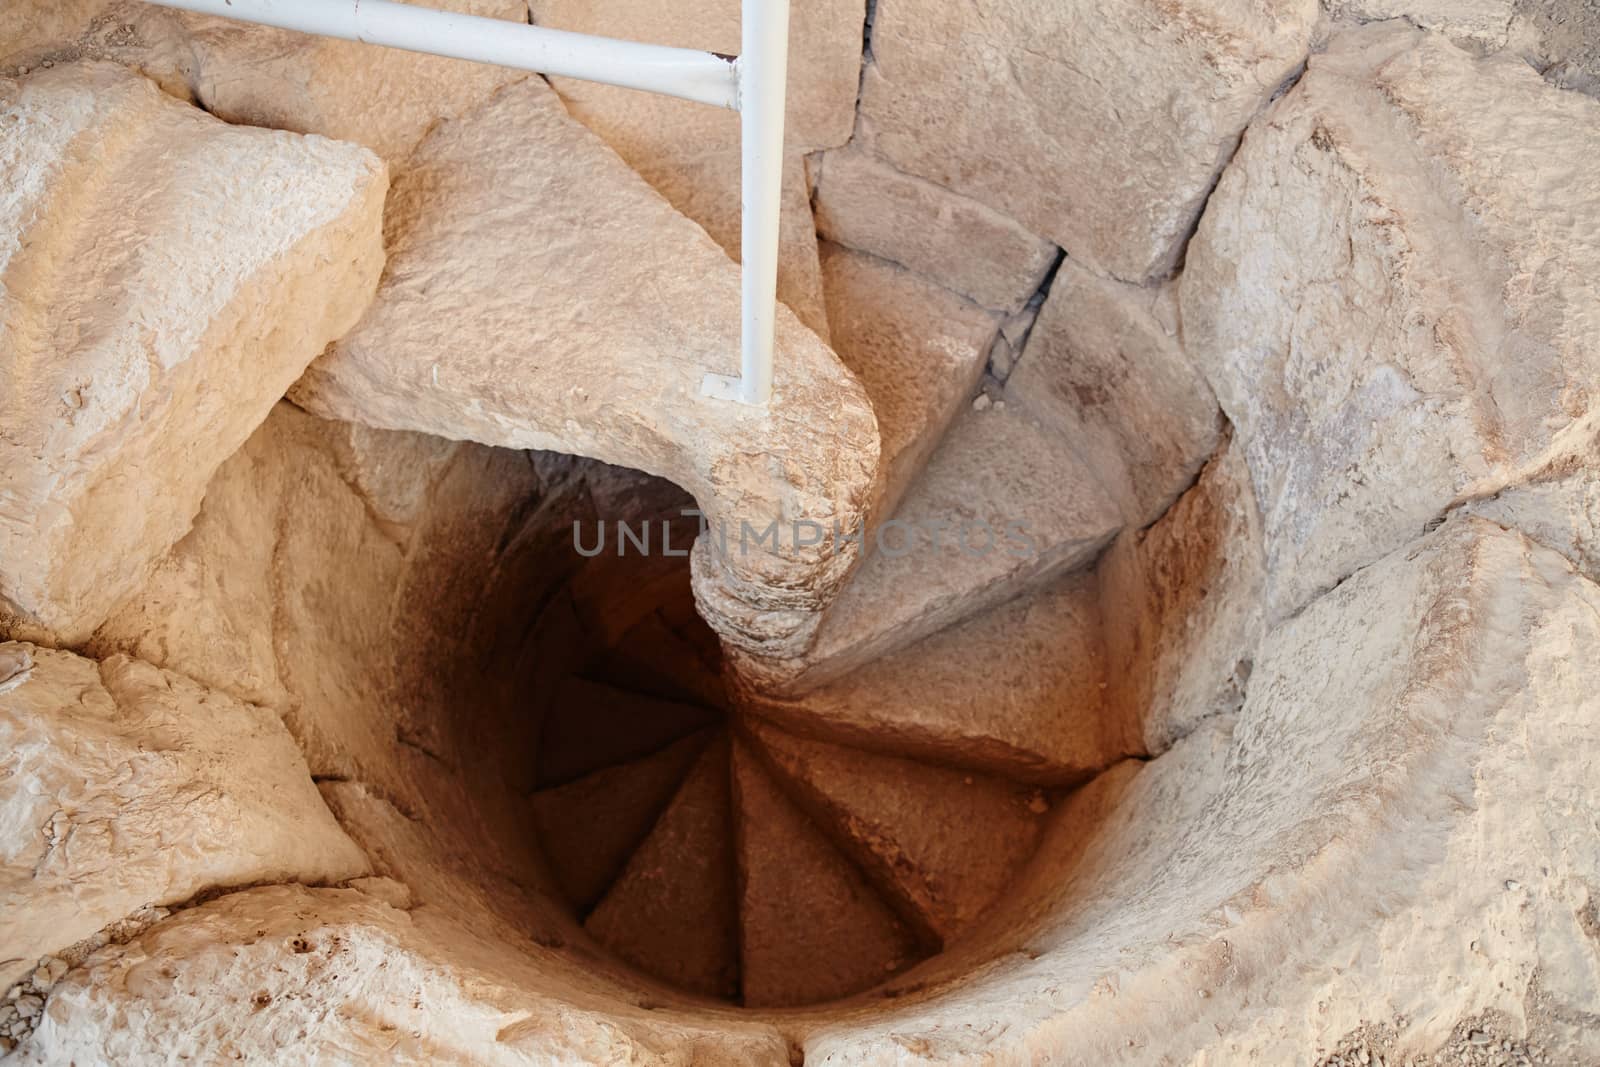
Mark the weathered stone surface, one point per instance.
(126, 785)
(1061, 116)
(690, 152)
(1562, 41)
(1104, 365)
(1182, 604)
(811, 928)
(47, 33)
(1559, 507)
(372, 634)
(1018, 690)
(166, 278)
(588, 828)
(1479, 24)
(1004, 503)
(252, 976)
(540, 295)
(1373, 807)
(1375, 297)
(918, 350)
(865, 204)
(384, 98)
(674, 912)
(942, 843)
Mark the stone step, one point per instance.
(811, 926)
(918, 349)
(940, 843)
(1028, 509)
(655, 659)
(591, 725)
(1019, 690)
(540, 294)
(673, 913)
(164, 278)
(589, 827)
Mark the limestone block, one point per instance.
(127, 785)
(383, 98)
(865, 204)
(164, 279)
(690, 152)
(541, 295)
(1371, 806)
(1004, 505)
(47, 33)
(1480, 24)
(918, 350)
(1019, 690)
(792, 878)
(252, 976)
(673, 912)
(1394, 294)
(1182, 607)
(942, 843)
(1100, 126)
(1104, 365)
(1559, 508)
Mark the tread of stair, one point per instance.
(996, 467)
(1018, 690)
(656, 660)
(673, 913)
(918, 349)
(591, 725)
(941, 843)
(590, 827)
(812, 927)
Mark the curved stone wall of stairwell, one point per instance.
(1277, 329)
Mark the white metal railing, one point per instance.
(753, 84)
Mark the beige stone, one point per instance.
(1367, 847)
(673, 913)
(552, 256)
(690, 152)
(166, 278)
(942, 843)
(589, 828)
(383, 98)
(151, 40)
(251, 976)
(1017, 690)
(1099, 126)
(1559, 507)
(1182, 605)
(793, 879)
(1104, 365)
(865, 204)
(1004, 504)
(126, 785)
(918, 351)
(1478, 24)
(1374, 294)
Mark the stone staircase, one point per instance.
(731, 859)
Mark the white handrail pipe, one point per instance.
(704, 77)
(763, 77)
